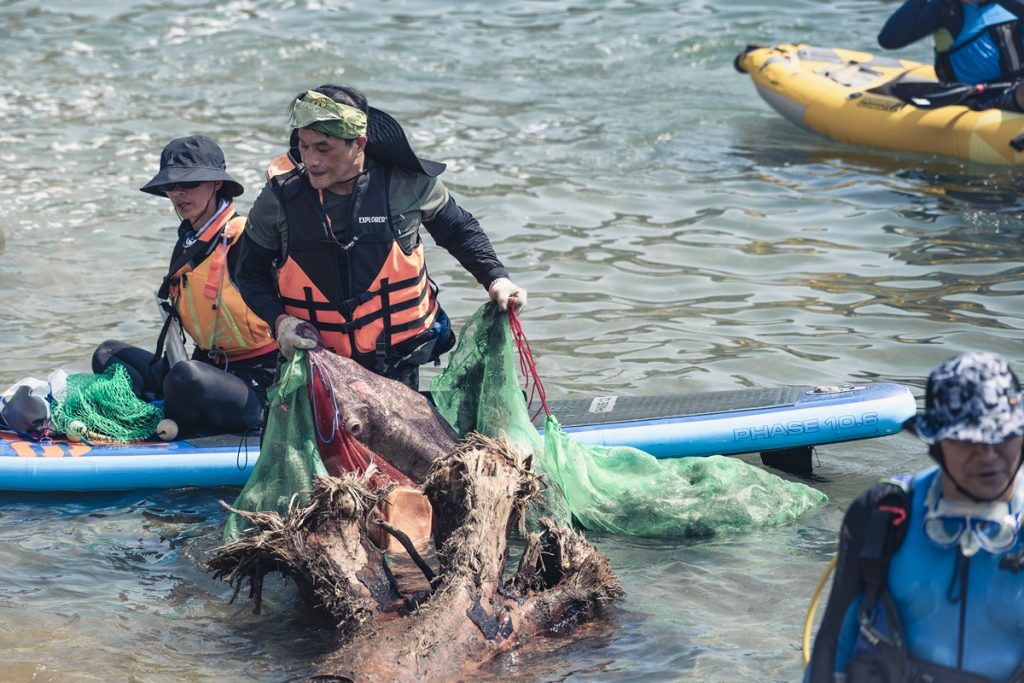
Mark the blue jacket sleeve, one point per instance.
(914, 20)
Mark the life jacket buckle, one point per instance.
(380, 353)
(871, 634)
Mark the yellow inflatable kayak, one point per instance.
(846, 96)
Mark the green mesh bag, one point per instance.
(479, 391)
(613, 489)
(289, 457)
(104, 408)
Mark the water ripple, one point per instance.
(675, 235)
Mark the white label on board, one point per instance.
(603, 404)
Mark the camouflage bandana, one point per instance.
(319, 112)
(973, 397)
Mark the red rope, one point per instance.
(527, 365)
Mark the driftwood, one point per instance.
(464, 614)
(390, 419)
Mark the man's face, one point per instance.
(983, 469)
(330, 162)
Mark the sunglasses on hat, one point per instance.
(190, 185)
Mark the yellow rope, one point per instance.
(815, 598)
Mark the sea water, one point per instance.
(675, 234)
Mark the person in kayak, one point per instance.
(332, 252)
(976, 42)
(928, 585)
(222, 388)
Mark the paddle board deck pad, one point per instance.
(725, 422)
(743, 421)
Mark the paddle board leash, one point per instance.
(527, 365)
(242, 454)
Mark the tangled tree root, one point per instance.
(468, 614)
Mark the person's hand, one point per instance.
(502, 289)
(294, 333)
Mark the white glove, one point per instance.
(294, 333)
(502, 289)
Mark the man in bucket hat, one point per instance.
(223, 387)
(332, 252)
(928, 584)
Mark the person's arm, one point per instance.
(258, 250)
(847, 584)
(914, 20)
(254, 277)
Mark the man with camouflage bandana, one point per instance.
(332, 251)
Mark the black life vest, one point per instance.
(386, 298)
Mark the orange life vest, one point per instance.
(209, 306)
(387, 297)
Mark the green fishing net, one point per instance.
(289, 457)
(614, 489)
(104, 407)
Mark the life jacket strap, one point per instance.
(1007, 37)
(161, 340)
(883, 535)
(220, 259)
(384, 340)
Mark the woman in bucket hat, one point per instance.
(332, 250)
(222, 388)
(928, 584)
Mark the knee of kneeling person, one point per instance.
(104, 353)
(183, 389)
(183, 379)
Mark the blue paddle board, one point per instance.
(725, 423)
(744, 421)
(61, 465)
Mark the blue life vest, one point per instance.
(931, 590)
(987, 48)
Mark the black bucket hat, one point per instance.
(196, 158)
(973, 397)
(386, 142)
